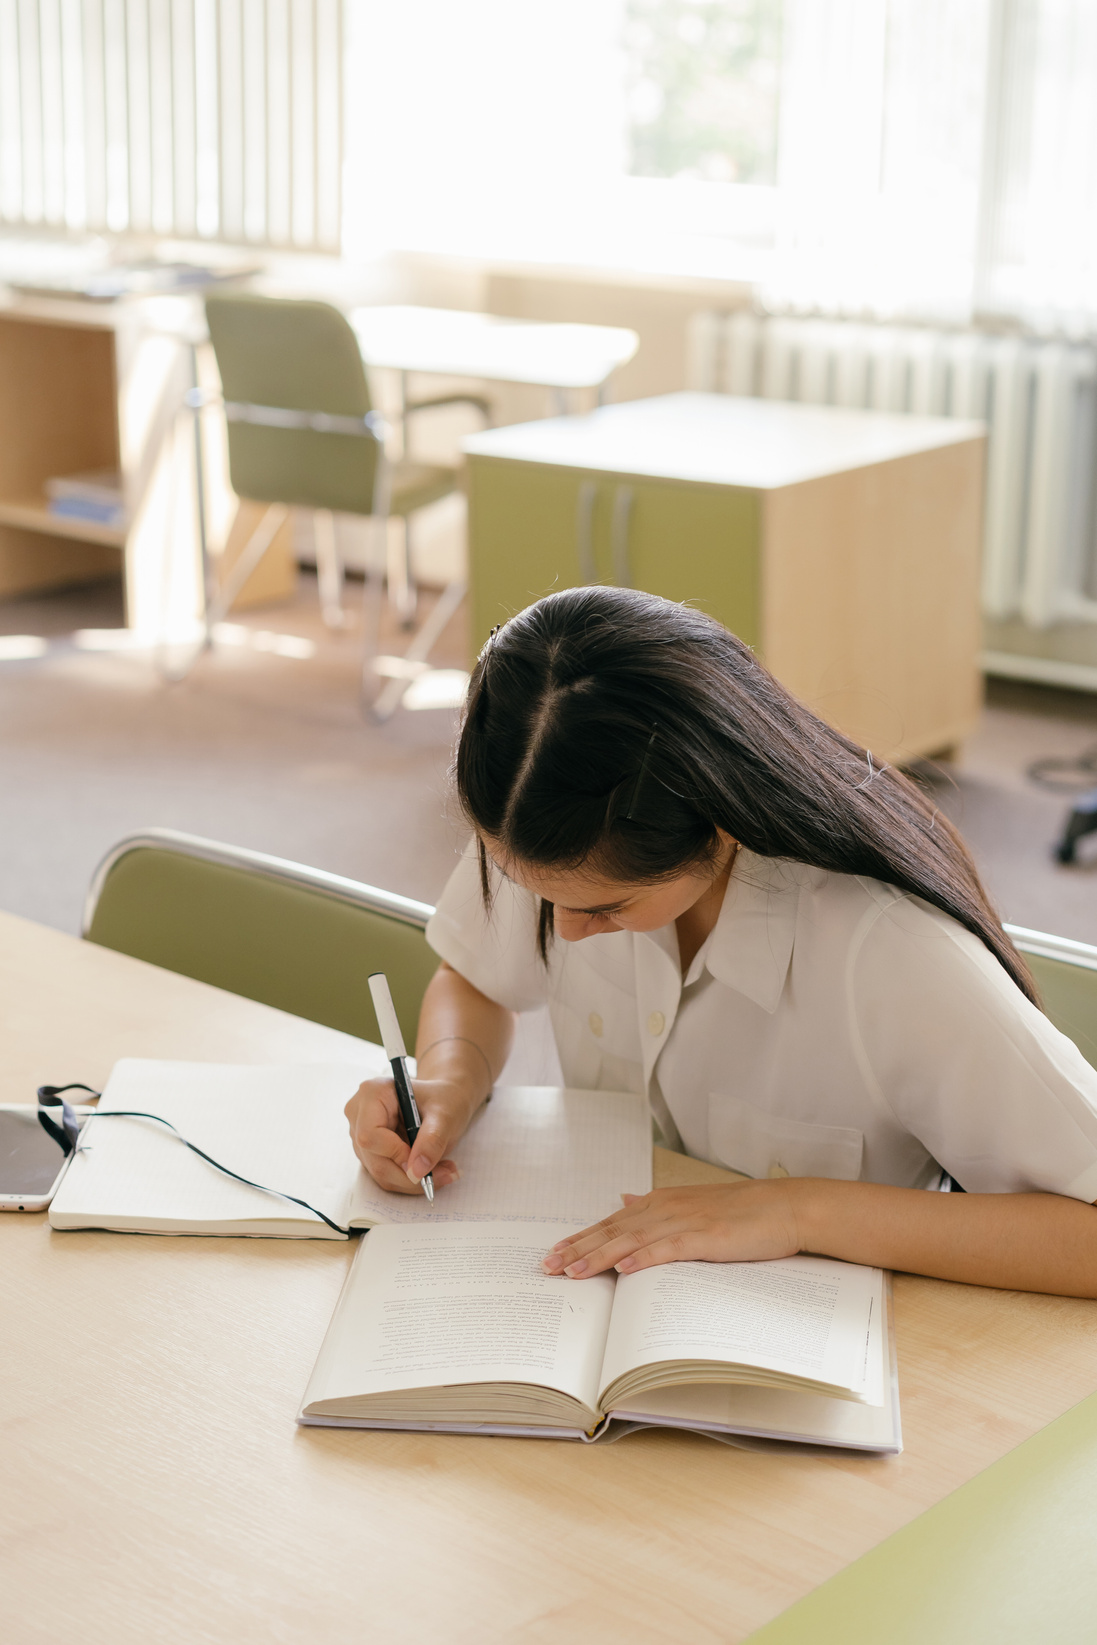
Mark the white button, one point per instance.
(596, 1024)
(656, 1023)
(777, 1169)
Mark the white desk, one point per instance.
(454, 343)
(155, 1488)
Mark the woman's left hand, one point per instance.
(721, 1222)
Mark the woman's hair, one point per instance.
(616, 730)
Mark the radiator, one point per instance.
(1038, 399)
(216, 119)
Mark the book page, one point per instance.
(534, 1152)
(767, 1413)
(282, 1126)
(807, 1317)
(780, 1413)
(425, 1306)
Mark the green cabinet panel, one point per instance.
(536, 527)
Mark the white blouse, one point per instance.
(829, 1026)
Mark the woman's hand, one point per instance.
(721, 1222)
(464, 1039)
(445, 1106)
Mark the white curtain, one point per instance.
(938, 160)
(1039, 253)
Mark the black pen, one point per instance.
(393, 1042)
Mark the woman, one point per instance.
(726, 904)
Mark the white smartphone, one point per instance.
(31, 1163)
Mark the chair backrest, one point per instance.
(1066, 975)
(271, 930)
(295, 355)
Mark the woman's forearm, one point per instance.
(463, 1036)
(1023, 1242)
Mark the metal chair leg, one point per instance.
(402, 591)
(329, 569)
(252, 553)
(401, 671)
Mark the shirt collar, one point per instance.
(751, 944)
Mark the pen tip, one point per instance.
(428, 1188)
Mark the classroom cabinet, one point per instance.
(842, 546)
(537, 528)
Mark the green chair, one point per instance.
(303, 434)
(1066, 975)
(293, 937)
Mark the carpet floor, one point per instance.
(273, 752)
(262, 750)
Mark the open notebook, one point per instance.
(532, 1152)
(457, 1329)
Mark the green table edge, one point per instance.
(1010, 1557)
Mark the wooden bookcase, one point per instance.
(87, 386)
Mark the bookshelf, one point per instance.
(85, 386)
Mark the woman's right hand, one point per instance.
(445, 1107)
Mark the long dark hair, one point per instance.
(615, 729)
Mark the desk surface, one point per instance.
(156, 1487)
(717, 439)
(453, 342)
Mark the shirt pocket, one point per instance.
(763, 1144)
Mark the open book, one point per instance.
(532, 1152)
(457, 1329)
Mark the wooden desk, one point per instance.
(156, 1488)
(843, 545)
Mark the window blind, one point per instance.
(216, 119)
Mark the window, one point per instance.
(702, 87)
(621, 133)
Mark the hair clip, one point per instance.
(489, 644)
(641, 774)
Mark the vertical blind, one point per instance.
(216, 119)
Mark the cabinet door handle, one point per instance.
(623, 499)
(584, 530)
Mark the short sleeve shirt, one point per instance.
(830, 1026)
